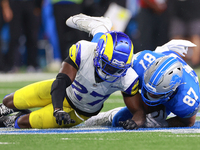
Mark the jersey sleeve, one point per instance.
(75, 54)
(130, 83)
(133, 88)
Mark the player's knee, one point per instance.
(23, 122)
(189, 124)
(8, 100)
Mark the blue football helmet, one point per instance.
(113, 56)
(160, 80)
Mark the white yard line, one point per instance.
(17, 77)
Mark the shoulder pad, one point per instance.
(75, 53)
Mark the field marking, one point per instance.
(182, 135)
(91, 139)
(83, 130)
(17, 77)
(6, 143)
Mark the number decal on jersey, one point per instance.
(188, 100)
(80, 88)
(95, 94)
(148, 57)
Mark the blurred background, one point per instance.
(35, 38)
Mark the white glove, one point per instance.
(156, 119)
(178, 46)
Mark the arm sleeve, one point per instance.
(58, 89)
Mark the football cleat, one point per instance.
(87, 23)
(9, 121)
(103, 118)
(4, 111)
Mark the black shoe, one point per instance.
(4, 111)
(9, 121)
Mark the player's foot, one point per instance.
(9, 121)
(4, 111)
(89, 24)
(103, 118)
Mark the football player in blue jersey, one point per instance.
(92, 72)
(168, 85)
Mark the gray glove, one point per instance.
(156, 119)
(61, 115)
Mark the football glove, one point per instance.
(128, 124)
(156, 119)
(61, 115)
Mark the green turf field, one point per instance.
(104, 141)
(96, 141)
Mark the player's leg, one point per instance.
(103, 118)
(31, 96)
(9, 121)
(43, 118)
(4, 110)
(91, 25)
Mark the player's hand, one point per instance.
(153, 123)
(128, 124)
(156, 119)
(160, 115)
(61, 115)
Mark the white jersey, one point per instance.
(85, 93)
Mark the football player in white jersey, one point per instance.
(92, 72)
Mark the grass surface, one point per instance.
(103, 141)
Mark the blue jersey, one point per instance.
(185, 101)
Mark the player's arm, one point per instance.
(65, 76)
(64, 79)
(135, 106)
(181, 122)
